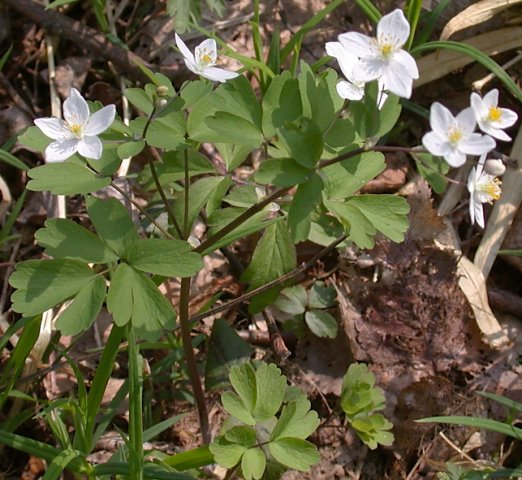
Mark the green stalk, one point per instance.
(135, 407)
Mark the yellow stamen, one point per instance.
(206, 59)
(495, 114)
(454, 136)
(386, 49)
(492, 189)
(76, 130)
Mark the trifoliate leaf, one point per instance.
(171, 258)
(229, 128)
(130, 149)
(321, 295)
(372, 430)
(243, 379)
(66, 239)
(294, 453)
(282, 172)
(293, 300)
(321, 323)
(303, 141)
(139, 99)
(242, 435)
(270, 387)
(43, 284)
(235, 406)
(253, 464)
(84, 309)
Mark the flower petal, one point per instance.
(466, 120)
(206, 47)
(497, 133)
(434, 143)
(396, 79)
(334, 49)
(90, 147)
(479, 106)
(441, 119)
(507, 118)
(478, 212)
(455, 158)
(408, 62)
(491, 98)
(53, 128)
(359, 44)
(368, 69)
(60, 150)
(477, 144)
(349, 90)
(100, 120)
(187, 54)
(218, 74)
(394, 28)
(75, 108)
(472, 180)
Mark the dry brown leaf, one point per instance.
(473, 15)
(441, 62)
(503, 212)
(473, 285)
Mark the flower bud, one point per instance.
(162, 91)
(161, 102)
(193, 241)
(494, 166)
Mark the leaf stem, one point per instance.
(195, 381)
(186, 226)
(135, 407)
(164, 198)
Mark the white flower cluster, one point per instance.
(363, 59)
(453, 138)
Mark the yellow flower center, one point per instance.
(76, 130)
(491, 189)
(206, 58)
(494, 114)
(386, 50)
(454, 135)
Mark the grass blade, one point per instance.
(371, 11)
(427, 30)
(195, 458)
(413, 9)
(507, 402)
(477, 55)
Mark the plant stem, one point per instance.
(185, 324)
(186, 226)
(135, 407)
(164, 198)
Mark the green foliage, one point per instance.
(310, 307)
(270, 422)
(359, 401)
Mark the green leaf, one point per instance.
(112, 222)
(225, 349)
(130, 149)
(108, 163)
(321, 323)
(43, 284)
(303, 141)
(167, 132)
(322, 296)
(199, 193)
(367, 214)
(344, 178)
(281, 103)
(294, 453)
(193, 91)
(282, 172)
(229, 128)
(226, 454)
(65, 178)
(372, 430)
(34, 139)
(84, 309)
(273, 256)
(253, 463)
(293, 300)
(242, 435)
(243, 379)
(296, 420)
(216, 197)
(270, 388)
(233, 404)
(134, 296)
(389, 113)
(171, 258)
(233, 155)
(66, 239)
(305, 200)
(139, 99)
(477, 55)
(242, 196)
(433, 169)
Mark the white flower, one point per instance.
(383, 57)
(495, 166)
(483, 188)
(79, 132)
(452, 137)
(490, 118)
(351, 88)
(202, 61)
